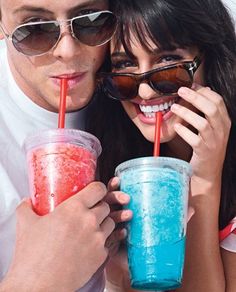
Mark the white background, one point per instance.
(231, 4)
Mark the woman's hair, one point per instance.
(169, 24)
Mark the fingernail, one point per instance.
(123, 233)
(116, 180)
(183, 90)
(194, 85)
(175, 106)
(127, 214)
(27, 200)
(177, 126)
(124, 198)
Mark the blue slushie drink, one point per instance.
(158, 187)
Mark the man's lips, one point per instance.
(67, 75)
(72, 79)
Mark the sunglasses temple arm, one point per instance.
(7, 36)
(99, 84)
(197, 63)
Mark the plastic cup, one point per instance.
(60, 162)
(158, 187)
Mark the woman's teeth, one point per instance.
(150, 110)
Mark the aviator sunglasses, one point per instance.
(164, 80)
(37, 38)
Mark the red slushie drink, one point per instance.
(61, 162)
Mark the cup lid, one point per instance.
(73, 136)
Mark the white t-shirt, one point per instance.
(19, 117)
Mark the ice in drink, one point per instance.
(61, 162)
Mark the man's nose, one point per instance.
(67, 46)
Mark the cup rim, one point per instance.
(41, 137)
(154, 161)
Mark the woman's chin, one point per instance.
(166, 135)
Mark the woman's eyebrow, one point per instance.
(118, 54)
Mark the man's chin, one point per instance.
(72, 107)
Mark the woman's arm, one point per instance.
(229, 262)
(203, 266)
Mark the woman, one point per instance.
(194, 41)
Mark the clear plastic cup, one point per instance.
(158, 187)
(60, 162)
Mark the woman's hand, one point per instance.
(213, 126)
(209, 117)
(117, 199)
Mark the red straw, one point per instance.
(62, 107)
(156, 151)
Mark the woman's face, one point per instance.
(142, 108)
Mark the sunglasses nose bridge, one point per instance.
(66, 27)
(143, 78)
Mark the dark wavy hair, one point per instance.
(205, 24)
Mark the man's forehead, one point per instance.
(51, 5)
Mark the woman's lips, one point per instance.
(146, 111)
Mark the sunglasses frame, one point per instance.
(59, 23)
(190, 66)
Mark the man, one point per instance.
(62, 250)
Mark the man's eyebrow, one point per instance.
(28, 8)
(85, 5)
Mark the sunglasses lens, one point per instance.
(165, 81)
(95, 29)
(170, 80)
(120, 87)
(35, 39)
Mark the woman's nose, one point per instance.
(146, 92)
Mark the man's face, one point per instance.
(39, 76)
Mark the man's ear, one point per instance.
(2, 35)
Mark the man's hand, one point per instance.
(62, 250)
